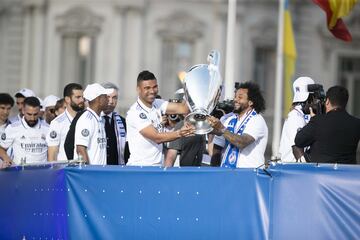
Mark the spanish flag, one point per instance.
(335, 10)
(290, 56)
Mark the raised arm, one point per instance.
(240, 141)
(160, 137)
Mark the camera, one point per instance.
(316, 99)
(223, 108)
(174, 117)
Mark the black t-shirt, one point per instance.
(191, 148)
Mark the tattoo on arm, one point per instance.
(240, 141)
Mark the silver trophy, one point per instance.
(202, 87)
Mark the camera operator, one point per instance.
(190, 148)
(333, 137)
(298, 117)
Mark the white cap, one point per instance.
(94, 90)
(301, 92)
(26, 92)
(42, 108)
(50, 101)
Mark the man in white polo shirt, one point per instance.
(59, 127)
(245, 131)
(6, 103)
(144, 129)
(90, 136)
(26, 137)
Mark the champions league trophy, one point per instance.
(202, 88)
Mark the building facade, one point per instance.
(45, 44)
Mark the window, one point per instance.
(349, 77)
(264, 73)
(77, 59)
(176, 58)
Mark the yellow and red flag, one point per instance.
(335, 10)
(290, 56)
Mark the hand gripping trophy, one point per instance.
(202, 87)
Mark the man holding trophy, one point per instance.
(145, 130)
(245, 132)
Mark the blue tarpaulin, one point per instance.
(290, 201)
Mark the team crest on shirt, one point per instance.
(142, 115)
(53, 134)
(3, 136)
(85, 132)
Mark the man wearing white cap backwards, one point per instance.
(20, 97)
(296, 120)
(49, 106)
(90, 136)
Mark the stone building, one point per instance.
(45, 44)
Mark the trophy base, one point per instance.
(198, 120)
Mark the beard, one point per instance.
(240, 109)
(77, 107)
(31, 123)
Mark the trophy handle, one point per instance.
(214, 58)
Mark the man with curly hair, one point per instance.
(245, 132)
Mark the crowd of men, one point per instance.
(84, 125)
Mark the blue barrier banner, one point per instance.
(286, 201)
(310, 201)
(33, 203)
(157, 203)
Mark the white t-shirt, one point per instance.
(144, 152)
(295, 121)
(251, 156)
(27, 142)
(90, 132)
(56, 136)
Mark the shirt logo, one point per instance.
(85, 132)
(142, 115)
(297, 89)
(3, 136)
(53, 134)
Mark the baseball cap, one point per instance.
(301, 92)
(42, 108)
(25, 92)
(94, 90)
(50, 101)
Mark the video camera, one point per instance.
(223, 108)
(174, 117)
(316, 99)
